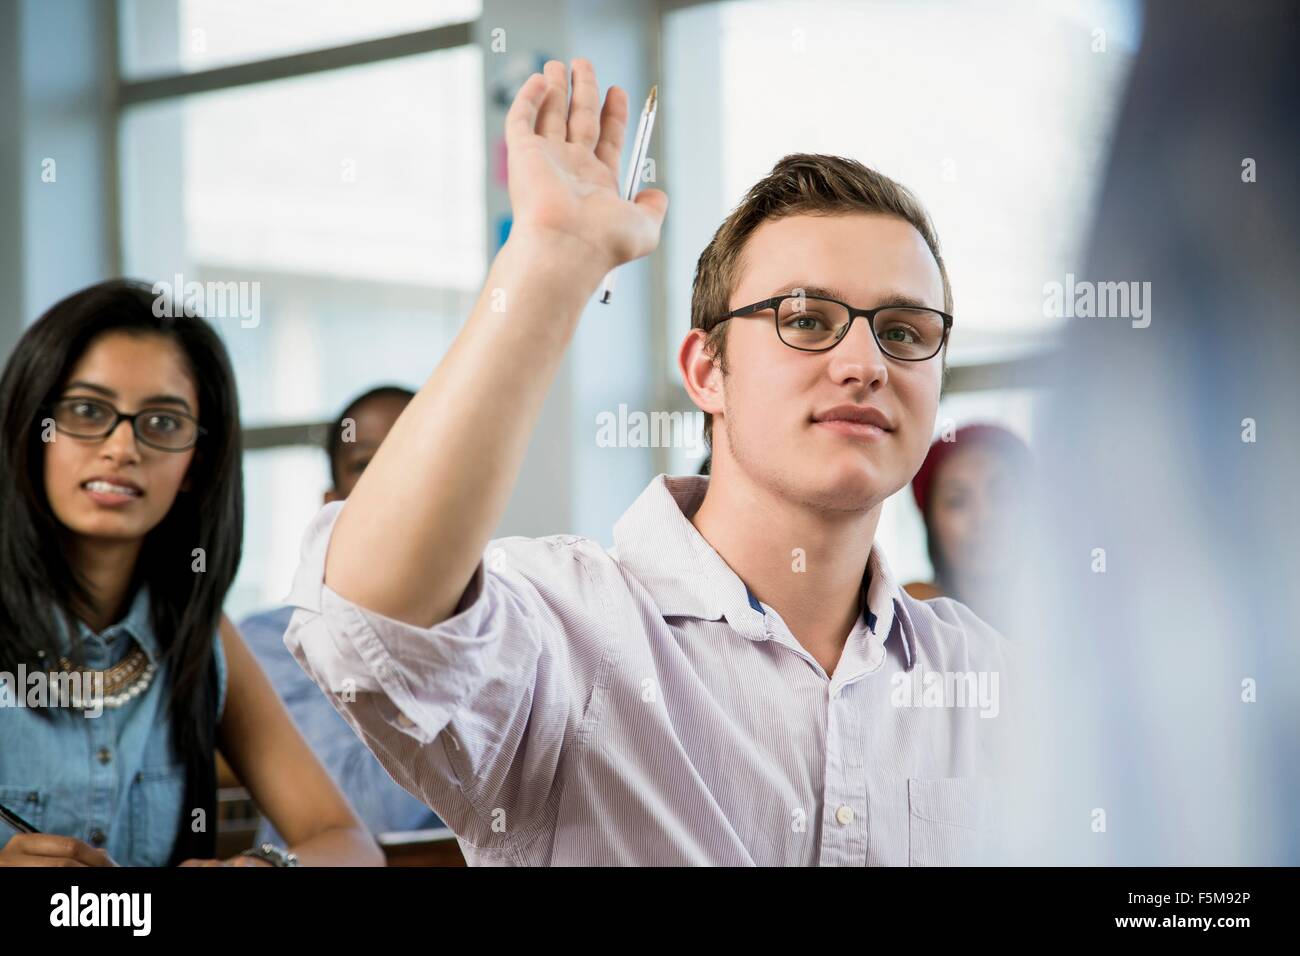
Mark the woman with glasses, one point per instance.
(122, 509)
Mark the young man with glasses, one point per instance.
(740, 680)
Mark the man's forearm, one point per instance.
(414, 527)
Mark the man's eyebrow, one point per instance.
(151, 400)
(901, 298)
(793, 288)
(824, 292)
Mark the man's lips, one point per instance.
(853, 429)
(856, 421)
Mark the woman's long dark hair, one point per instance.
(36, 578)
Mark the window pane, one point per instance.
(374, 171)
(1007, 166)
(350, 203)
(282, 493)
(162, 37)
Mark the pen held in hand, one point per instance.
(640, 146)
(15, 821)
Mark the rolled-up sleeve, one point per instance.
(471, 715)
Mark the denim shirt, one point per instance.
(110, 780)
(380, 803)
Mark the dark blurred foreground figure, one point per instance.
(1166, 606)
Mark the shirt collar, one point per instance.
(136, 623)
(656, 542)
(885, 604)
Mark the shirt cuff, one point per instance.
(426, 674)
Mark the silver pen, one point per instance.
(640, 146)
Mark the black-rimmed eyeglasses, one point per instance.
(163, 428)
(815, 324)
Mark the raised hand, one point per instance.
(564, 168)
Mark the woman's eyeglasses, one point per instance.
(163, 428)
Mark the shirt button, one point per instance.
(404, 721)
(97, 837)
(104, 755)
(844, 815)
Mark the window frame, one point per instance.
(129, 93)
(669, 393)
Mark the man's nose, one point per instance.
(858, 356)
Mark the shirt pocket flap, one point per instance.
(26, 802)
(948, 820)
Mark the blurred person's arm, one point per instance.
(284, 777)
(412, 532)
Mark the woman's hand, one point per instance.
(49, 849)
(564, 169)
(233, 861)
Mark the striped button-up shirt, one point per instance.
(640, 706)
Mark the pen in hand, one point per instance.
(15, 821)
(31, 847)
(640, 146)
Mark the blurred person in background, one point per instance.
(971, 493)
(382, 805)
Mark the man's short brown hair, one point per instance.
(799, 184)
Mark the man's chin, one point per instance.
(849, 488)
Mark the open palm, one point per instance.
(563, 163)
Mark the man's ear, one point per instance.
(701, 372)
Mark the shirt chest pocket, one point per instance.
(155, 804)
(947, 821)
